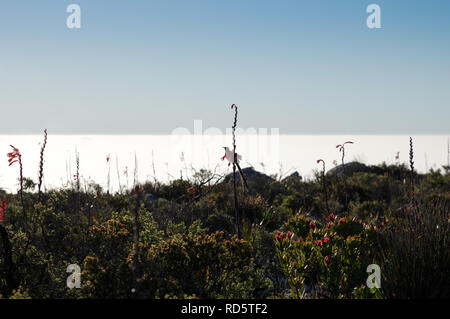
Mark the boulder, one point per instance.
(250, 174)
(292, 177)
(348, 168)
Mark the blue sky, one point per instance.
(151, 66)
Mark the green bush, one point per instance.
(332, 258)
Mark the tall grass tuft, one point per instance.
(415, 253)
(118, 174)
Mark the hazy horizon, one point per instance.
(173, 155)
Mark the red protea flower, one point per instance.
(326, 259)
(299, 239)
(290, 235)
(329, 225)
(332, 217)
(308, 238)
(326, 240)
(341, 220)
(312, 225)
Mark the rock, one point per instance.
(349, 168)
(150, 200)
(250, 174)
(293, 176)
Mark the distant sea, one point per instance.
(167, 157)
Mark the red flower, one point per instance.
(290, 235)
(326, 259)
(14, 156)
(307, 238)
(300, 239)
(190, 189)
(341, 220)
(341, 146)
(329, 225)
(332, 217)
(312, 225)
(326, 240)
(279, 236)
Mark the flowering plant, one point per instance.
(333, 257)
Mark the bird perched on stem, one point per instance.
(230, 157)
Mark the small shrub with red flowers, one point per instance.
(330, 259)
